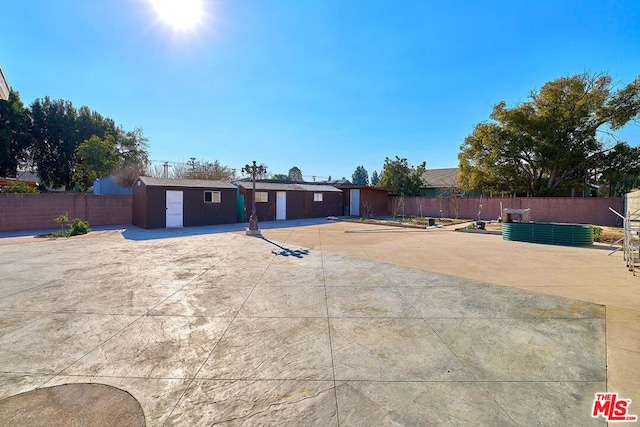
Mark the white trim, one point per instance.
(215, 196)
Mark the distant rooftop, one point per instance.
(286, 186)
(447, 177)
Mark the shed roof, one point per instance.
(184, 183)
(363, 187)
(284, 186)
(446, 177)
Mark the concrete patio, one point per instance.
(321, 324)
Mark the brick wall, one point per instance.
(37, 211)
(588, 210)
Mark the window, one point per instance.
(212, 197)
(262, 197)
(317, 197)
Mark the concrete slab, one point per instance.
(310, 326)
(73, 405)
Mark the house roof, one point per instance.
(286, 186)
(27, 176)
(199, 183)
(447, 177)
(365, 187)
(342, 181)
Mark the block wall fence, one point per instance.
(588, 210)
(37, 211)
(632, 203)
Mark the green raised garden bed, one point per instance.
(550, 234)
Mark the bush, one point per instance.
(78, 227)
(19, 187)
(597, 232)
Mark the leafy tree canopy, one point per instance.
(360, 176)
(281, 177)
(620, 168)
(46, 135)
(94, 158)
(54, 139)
(375, 179)
(401, 178)
(295, 174)
(549, 144)
(14, 139)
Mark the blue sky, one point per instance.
(325, 85)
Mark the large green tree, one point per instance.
(14, 137)
(360, 176)
(54, 140)
(94, 158)
(90, 123)
(295, 174)
(280, 177)
(133, 149)
(551, 143)
(402, 179)
(375, 179)
(619, 169)
(56, 130)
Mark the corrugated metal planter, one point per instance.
(550, 234)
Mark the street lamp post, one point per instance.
(254, 170)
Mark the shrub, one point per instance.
(597, 232)
(19, 187)
(78, 227)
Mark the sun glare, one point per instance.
(179, 14)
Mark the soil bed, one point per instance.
(407, 222)
(608, 235)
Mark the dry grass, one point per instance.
(611, 235)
